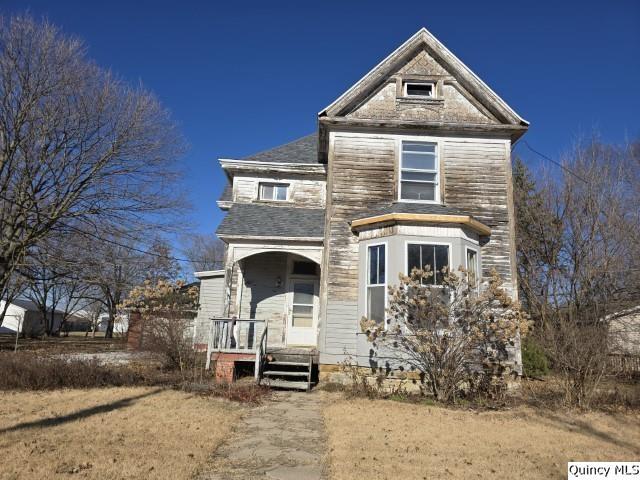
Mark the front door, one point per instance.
(303, 312)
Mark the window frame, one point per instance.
(449, 245)
(437, 194)
(406, 84)
(274, 185)
(367, 284)
(466, 263)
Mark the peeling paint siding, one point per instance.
(477, 176)
(452, 104)
(362, 171)
(302, 192)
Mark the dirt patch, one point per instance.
(123, 433)
(382, 439)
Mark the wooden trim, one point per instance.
(467, 220)
(424, 40)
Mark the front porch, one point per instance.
(235, 343)
(271, 314)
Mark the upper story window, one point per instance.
(273, 191)
(419, 89)
(436, 257)
(419, 172)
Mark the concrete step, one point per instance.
(289, 364)
(281, 373)
(269, 382)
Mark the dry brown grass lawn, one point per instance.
(112, 433)
(383, 439)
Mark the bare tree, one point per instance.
(79, 149)
(205, 252)
(579, 256)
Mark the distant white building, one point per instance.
(23, 316)
(120, 326)
(624, 331)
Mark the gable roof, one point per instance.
(301, 150)
(423, 39)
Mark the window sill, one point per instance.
(420, 101)
(274, 202)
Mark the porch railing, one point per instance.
(234, 335)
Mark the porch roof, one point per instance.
(254, 220)
(420, 213)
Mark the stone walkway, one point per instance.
(283, 439)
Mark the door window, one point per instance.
(302, 311)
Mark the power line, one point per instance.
(113, 242)
(565, 168)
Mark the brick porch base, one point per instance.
(225, 364)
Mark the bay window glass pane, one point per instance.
(381, 265)
(375, 303)
(413, 257)
(373, 265)
(472, 266)
(423, 256)
(377, 265)
(442, 261)
(418, 191)
(420, 161)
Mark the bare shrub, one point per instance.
(29, 371)
(167, 310)
(456, 337)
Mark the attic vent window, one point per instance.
(423, 90)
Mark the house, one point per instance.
(624, 332)
(23, 316)
(410, 166)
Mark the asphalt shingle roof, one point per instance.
(302, 150)
(408, 207)
(227, 194)
(257, 220)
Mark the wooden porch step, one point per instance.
(290, 364)
(286, 384)
(285, 373)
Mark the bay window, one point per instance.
(376, 283)
(420, 255)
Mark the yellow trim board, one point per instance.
(479, 227)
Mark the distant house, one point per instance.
(624, 332)
(120, 325)
(24, 316)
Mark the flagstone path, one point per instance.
(282, 439)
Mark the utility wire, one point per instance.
(564, 167)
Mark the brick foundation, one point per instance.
(225, 364)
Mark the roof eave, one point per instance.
(466, 220)
(428, 39)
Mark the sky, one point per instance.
(243, 76)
